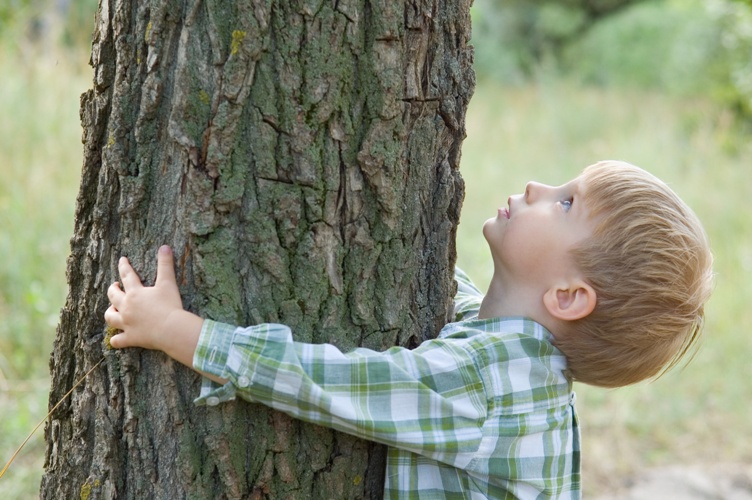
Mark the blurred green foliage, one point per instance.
(41, 63)
(79, 22)
(735, 19)
(66, 22)
(683, 47)
(524, 32)
(11, 10)
(43, 55)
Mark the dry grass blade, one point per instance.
(2, 472)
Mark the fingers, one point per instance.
(165, 267)
(134, 309)
(115, 341)
(165, 270)
(119, 341)
(112, 317)
(115, 320)
(128, 276)
(115, 293)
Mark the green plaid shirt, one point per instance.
(483, 411)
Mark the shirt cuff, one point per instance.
(210, 357)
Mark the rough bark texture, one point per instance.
(302, 160)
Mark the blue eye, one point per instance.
(566, 204)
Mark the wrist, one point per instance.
(179, 336)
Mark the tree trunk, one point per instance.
(301, 158)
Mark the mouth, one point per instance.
(506, 212)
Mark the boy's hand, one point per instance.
(153, 316)
(144, 314)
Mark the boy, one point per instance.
(601, 280)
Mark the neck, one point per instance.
(502, 300)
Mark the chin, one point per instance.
(490, 225)
(486, 228)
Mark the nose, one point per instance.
(533, 191)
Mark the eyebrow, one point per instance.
(577, 192)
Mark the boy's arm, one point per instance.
(430, 400)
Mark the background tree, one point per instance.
(524, 33)
(301, 158)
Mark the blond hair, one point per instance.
(650, 265)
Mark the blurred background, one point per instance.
(664, 84)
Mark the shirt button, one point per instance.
(243, 381)
(212, 401)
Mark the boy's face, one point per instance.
(531, 240)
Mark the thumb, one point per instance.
(165, 267)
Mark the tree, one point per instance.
(301, 158)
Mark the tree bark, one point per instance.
(301, 158)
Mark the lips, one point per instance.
(504, 212)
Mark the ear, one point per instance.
(571, 302)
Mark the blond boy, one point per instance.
(601, 280)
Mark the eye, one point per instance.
(566, 204)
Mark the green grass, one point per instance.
(546, 132)
(40, 162)
(549, 132)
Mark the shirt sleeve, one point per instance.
(430, 400)
(468, 298)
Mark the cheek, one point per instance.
(509, 245)
(523, 248)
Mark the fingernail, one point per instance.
(165, 249)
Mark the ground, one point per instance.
(696, 482)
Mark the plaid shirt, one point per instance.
(483, 411)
